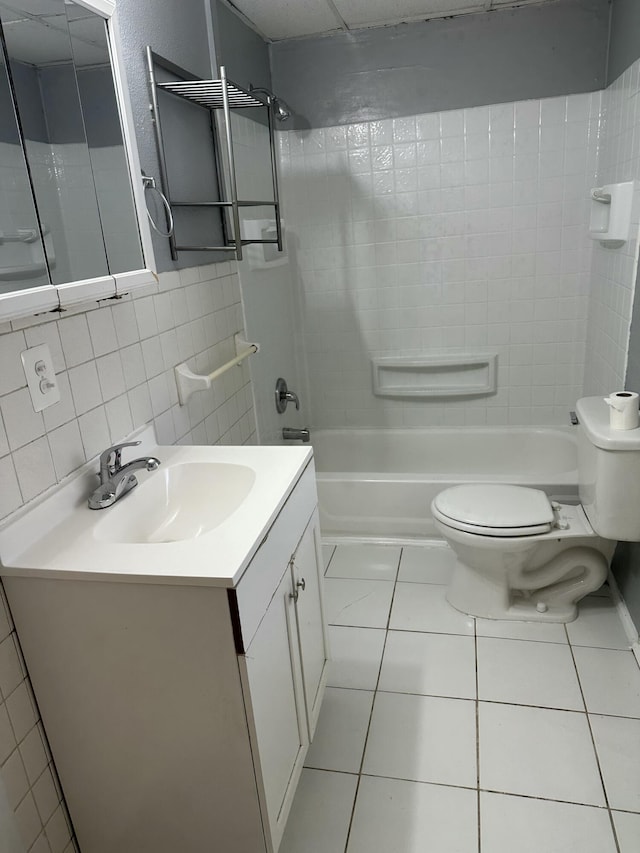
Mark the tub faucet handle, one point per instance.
(284, 396)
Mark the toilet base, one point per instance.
(477, 596)
(547, 593)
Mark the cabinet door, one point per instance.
(276, 708)
(307, 567)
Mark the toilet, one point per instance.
(521, 555)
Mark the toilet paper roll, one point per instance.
(623, 410)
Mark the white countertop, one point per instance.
(56, 537)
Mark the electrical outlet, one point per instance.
(41, 377)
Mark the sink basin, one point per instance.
(199, 518)
(176, 503)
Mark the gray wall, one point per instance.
(625, 37)
(530, 52)
(239, 48)
(179, 32)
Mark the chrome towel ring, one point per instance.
(149, 183)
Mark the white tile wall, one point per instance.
(268, 294)
(115, 370)
(458, 231)
(613, 273)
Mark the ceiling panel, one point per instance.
(496, 4)
(280, 19)
(358, 13)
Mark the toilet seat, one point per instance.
(494, 510)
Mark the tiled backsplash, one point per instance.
(613, 273)
(114, 365)
(463, 230)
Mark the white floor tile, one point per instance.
(628, 831)
(423, 739)
(341, 731)
(394, 816)
(526, 825)
(356, 654)
(431, 664)
(372, 562)
(360, 603)
(320, 814)
(430, 564)
(327, 554)
(598, 624)
(528, 673)
(423, 607)
(618, 746)
(539, 753)
(541, 632)
(610, 681)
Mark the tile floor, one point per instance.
(440, 733)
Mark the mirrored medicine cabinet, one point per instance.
(73, 224)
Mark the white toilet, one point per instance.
(521, 556)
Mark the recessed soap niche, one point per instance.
(610, 215)
(435, 375)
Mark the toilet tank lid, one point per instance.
(495, 506)
(593, 414)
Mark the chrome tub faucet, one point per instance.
(117, 479)
(293, 434)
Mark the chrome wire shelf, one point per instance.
(212, 95)
(209, 94)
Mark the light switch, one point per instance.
(41, 377)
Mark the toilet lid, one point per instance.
(495, 510)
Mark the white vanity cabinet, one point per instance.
(179, 713)
(285, 670)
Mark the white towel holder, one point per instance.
(188, 381)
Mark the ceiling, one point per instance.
(283, 19)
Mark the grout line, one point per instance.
(595, 750)
(375, 693)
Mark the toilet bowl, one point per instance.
(521, 556)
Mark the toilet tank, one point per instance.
(608, 472)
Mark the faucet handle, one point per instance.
(105, 457)
(284, 396)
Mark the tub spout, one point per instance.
(292, 434)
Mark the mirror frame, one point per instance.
(57, 297)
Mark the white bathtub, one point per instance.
(380, 483)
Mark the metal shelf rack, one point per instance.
(212, 95)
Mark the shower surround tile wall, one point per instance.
(114, 366)
(463, 230)
(614, 271)
(268, 292)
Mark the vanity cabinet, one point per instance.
(179, 713)
(284, 669)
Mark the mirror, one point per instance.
(67, 126)
(22, 262)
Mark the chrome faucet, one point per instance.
(117, 479)
(293, 434)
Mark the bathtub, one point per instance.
(380, 483)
